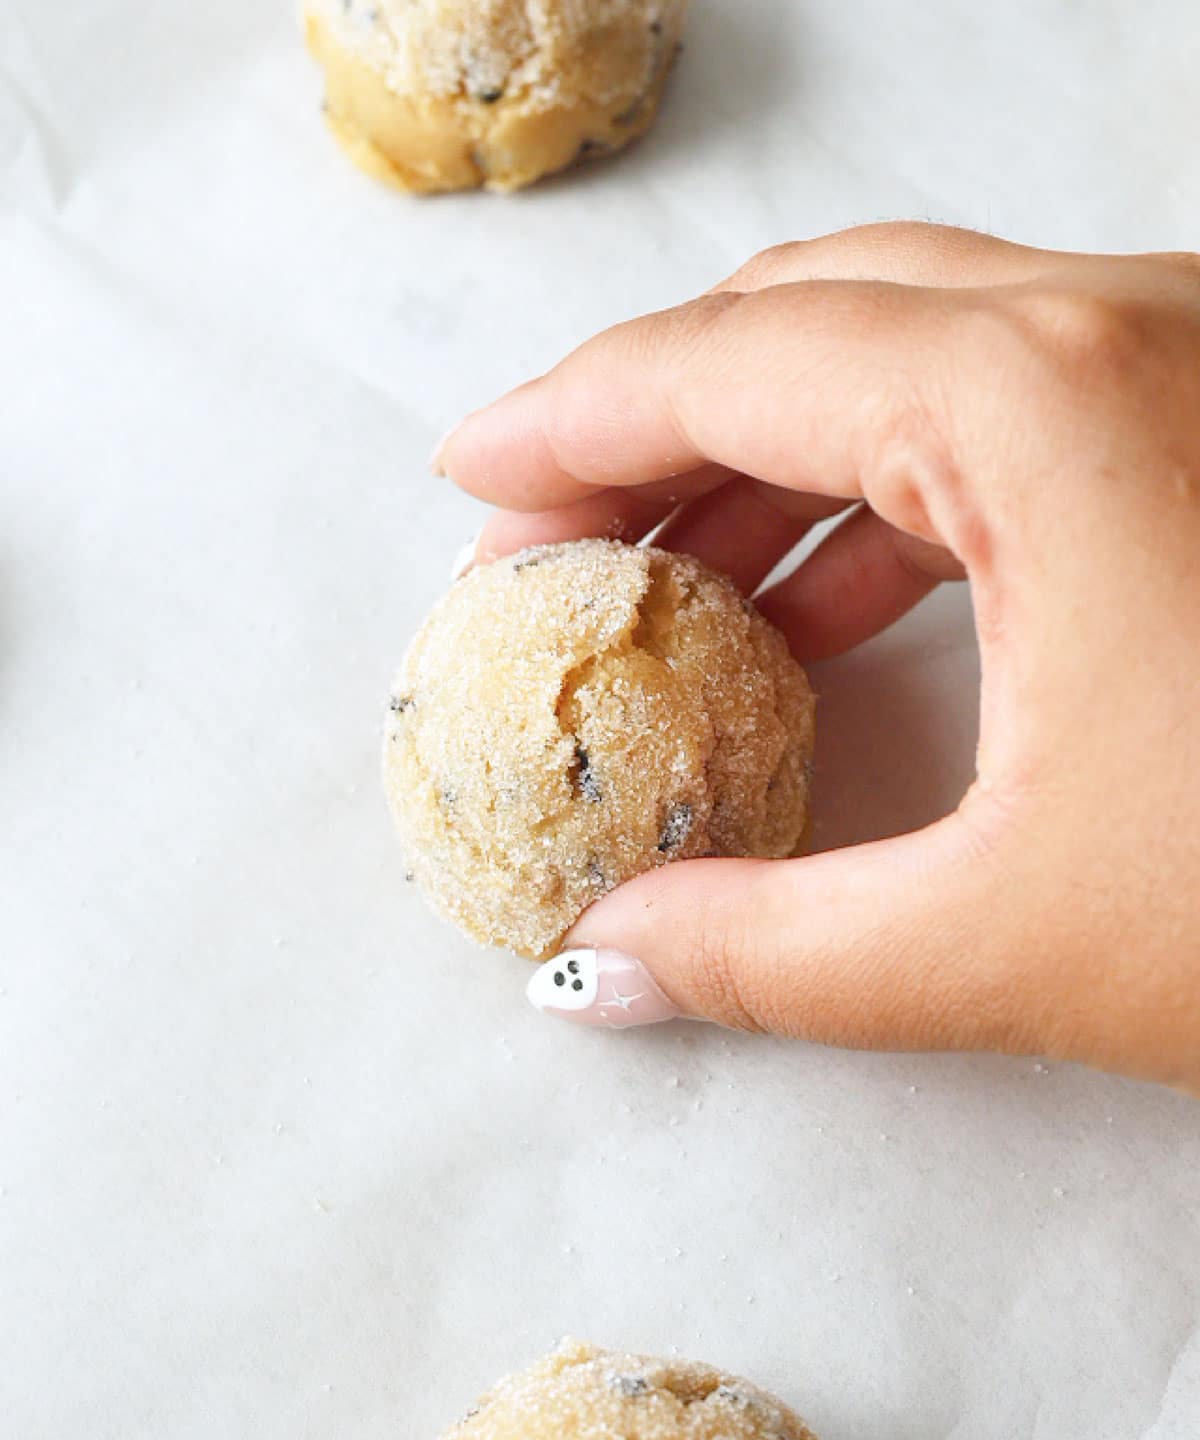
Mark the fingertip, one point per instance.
(682, 922)
(437, 456)
(590, 986)
(501, 454)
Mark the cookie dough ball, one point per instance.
(451, 94)
(575, 714)
(580, 1393)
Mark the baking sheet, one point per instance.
(281, 1155)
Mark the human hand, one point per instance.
(1026, 418)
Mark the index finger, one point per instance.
(521, 455)
(813, 386)
(559, 439)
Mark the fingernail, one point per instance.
(464, 559)
(599, 987)
(435, 458)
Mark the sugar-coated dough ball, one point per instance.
(573, 715)
(451, 94)
(581, 1393)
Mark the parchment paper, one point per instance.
(280, 1154)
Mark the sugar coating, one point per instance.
(581, 1393)
(576, 714)
(450, 94)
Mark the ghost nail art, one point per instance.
(599, 987)
(571, 982)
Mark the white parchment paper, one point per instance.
(280, 1154)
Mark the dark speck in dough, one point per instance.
(676, 830)
(597, 878)
(583, 777)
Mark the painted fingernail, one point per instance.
(599, 987)
(436, 463)
(464, 559)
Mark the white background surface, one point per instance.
(282, 1156)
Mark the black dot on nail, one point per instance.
(573, 966)
(559, 978)
(576, 984)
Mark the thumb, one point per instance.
(899, 944)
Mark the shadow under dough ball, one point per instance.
(576, 714)
(581, 1393)
(452, 94)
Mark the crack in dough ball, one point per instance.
(451, 94)
(581, 1393)
(576, 714)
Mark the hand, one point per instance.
(1025, 418)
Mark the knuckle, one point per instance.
(1080, 332)
(770, 266)
(667, 340)
(677, 334)
(908, 236)
(923, 490)
(863, 250)
(910, 252)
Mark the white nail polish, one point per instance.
(599, 987)
(464, 559)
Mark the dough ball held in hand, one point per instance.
(581, 1393)
(453, 94)
(576, 714)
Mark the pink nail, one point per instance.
(599, 987)
(436, 464)
(464, 559)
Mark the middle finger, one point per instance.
(745, 528)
